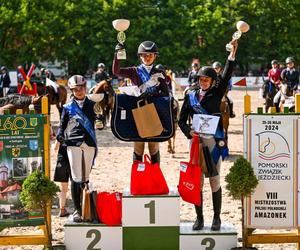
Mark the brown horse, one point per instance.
(171, 141)
(107, 104)
(225, 112)
(13, 102)
(59, 98)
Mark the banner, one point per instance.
(271, 143)
(21, 152)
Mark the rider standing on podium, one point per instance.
(151, 81)
(206, 100)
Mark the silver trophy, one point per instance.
(242, 27)
(121, 25)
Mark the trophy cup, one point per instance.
(121, 25)
(99, 116)
(242, 27)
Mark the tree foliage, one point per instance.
(81, 32)
(241, 180)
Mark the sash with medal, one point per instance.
(75, 112)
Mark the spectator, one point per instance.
(4, 81)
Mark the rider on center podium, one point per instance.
(151, 81)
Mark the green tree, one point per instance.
(38, 192)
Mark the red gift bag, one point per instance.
(147, 178)
(189, 186)
(109, 208)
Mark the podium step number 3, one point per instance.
(206, 239)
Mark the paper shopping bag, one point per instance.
(147, 120)
(202, 162)
(86, 204)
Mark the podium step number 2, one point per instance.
(84, 236)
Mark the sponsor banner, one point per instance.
(21, 152)
(271, 145)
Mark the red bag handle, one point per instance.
(147, 159)
(194, 152)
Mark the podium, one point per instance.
(81, 236)
(149, 222)
(203, 239)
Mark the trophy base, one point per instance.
(121, 54)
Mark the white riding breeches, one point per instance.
(81, 161)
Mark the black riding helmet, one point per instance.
(274, 62)
(208, 72)
(147, 47)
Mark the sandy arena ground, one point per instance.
(113, 166)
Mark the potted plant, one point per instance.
(241, 182)
(38, 192)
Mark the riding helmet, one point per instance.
(3, 68)
(147, 47)
(289, 59)
(274, 62)
(101, 65)
(216, 65)
(75, 81)
(208, 72)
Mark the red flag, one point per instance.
(241, 82)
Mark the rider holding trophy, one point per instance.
(206, 100)
(150, 80)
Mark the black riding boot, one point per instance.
(137, 157)
(199, 223)
(76, 195)
(276, 104)
(217, 204)
(155, 158)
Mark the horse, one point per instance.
(171, 141)
(107, 104)
(225, 115)
(16, 101)
(269, 91)
(58, 98)
(287, 98)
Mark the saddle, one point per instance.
(123, 125)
